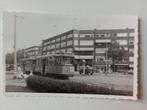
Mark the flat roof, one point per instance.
(96, 31)
(60, 54)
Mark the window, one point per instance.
(48, 42)
(76, 35)
(69, 42)
(62, 51)
(131, 43)
(52, 41)
(44, 49)
(63, 44)
(131, 54)
(86, 42)
(97, 36)
(48, 47)
(97, 59)
(113, 35)
(69, 49)
(75, 42)
(48, 52)
(44, 43)
(58, 39)
(87, 36)
(57, 45)
(57, 51)
(102, 35)
(69, 36)
(63, 37)
(52, 46)
(101, 59)
(108, 35)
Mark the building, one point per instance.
(20, 54)
(26, 57)
(32, 52)
(93, 47)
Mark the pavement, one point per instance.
(16, 82)
(15, 85)
(110, 80)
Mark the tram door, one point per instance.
(43, 66)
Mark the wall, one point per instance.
(78, 7)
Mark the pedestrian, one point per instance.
(20, 73)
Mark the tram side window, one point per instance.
(67, 60)
(57, 61)
(46, 61)
(51, 61)
(38, 62)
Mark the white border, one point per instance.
(86, 96)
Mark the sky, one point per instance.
(32, 28)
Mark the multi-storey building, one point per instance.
(20, 54)
(26, 57)
(32, 52)
(92, 46)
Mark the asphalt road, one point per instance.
(112, 81)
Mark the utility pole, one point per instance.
(15, 45)
(128, 44)
(15, 53)
(94, 47)
(106, 54)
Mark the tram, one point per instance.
(55, 64)
(27, 65)
(59, 64)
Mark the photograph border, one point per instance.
(89, 96)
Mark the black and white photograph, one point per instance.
(77, 56)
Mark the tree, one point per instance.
(9, 58)
(116, 53)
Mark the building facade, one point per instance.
(94, 47)
(32, 52)
(26, 57)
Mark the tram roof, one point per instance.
(52, 55)
(26, 59)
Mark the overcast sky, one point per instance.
(32, 28)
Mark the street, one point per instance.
(16, 85)
(111, 80)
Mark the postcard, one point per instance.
(71, 56)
